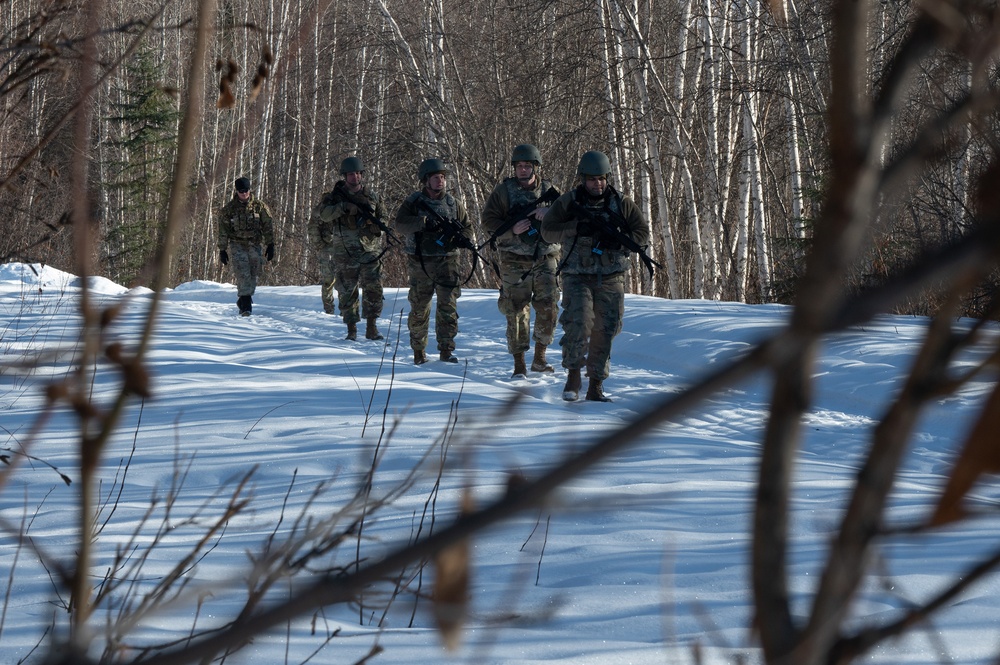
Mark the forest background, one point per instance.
(853, 142)
(713, 114)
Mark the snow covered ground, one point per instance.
(635, 562)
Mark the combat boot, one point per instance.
(352, 331)
(371, 330)
(595, 391)
(520, 371)
(447, 357)
(419, 357)
(538, 363)
(571, 391)
(245, 303)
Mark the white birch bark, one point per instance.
(741, 249)
(679, 173)
(624, 114)
(794, 161)
(309, 194)
(290, 192)
(709, 223)
(806, 57)
(609, 93)
(380, 130)
(962, 169)
(411, 65)
(651, 136)
(276, 29)
(359, 99)
(754, 171)
(729, 127)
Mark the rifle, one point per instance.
(452, 230)
(365, 212)
(521, 213)
(612, 229)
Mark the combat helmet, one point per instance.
(352, 165)
(594, 163)
(429, 167)
(525, 153)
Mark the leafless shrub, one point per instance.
(861, 178)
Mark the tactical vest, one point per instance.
(246, 222)
(429, 242)
(594, 253)
(351, 227)
(525, 244)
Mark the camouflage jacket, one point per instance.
(336, 222)
(587, 250)
(422, 232)
(249, 222)
(507, 196)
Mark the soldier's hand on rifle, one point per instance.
(331, 212)
(521, 226)
(269, 252)
(350, 208)
(223, 256)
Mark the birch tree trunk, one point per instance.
(741, 251)
(962, 204)
(277, 25)
(754, 172)
(609, 92)
(417, 78)
(680, 174)
(795, 161)
(707, 262)
(656, 85)
(651, 146)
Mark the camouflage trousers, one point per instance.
(358, 277)
(327, 278)
(437, 275)
(527, 283)
(593, 307)
(246, 259)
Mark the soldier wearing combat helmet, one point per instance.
(435, 226)
(528, 263)
(596, 226)
(245, 222)
(345, 229)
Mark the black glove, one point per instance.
(269, 252)
(223, 256)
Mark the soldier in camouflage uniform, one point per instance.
(244, 223)
(593, 271)
(324, 262)
(350, 246)
(433, 259)
(528, 263)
